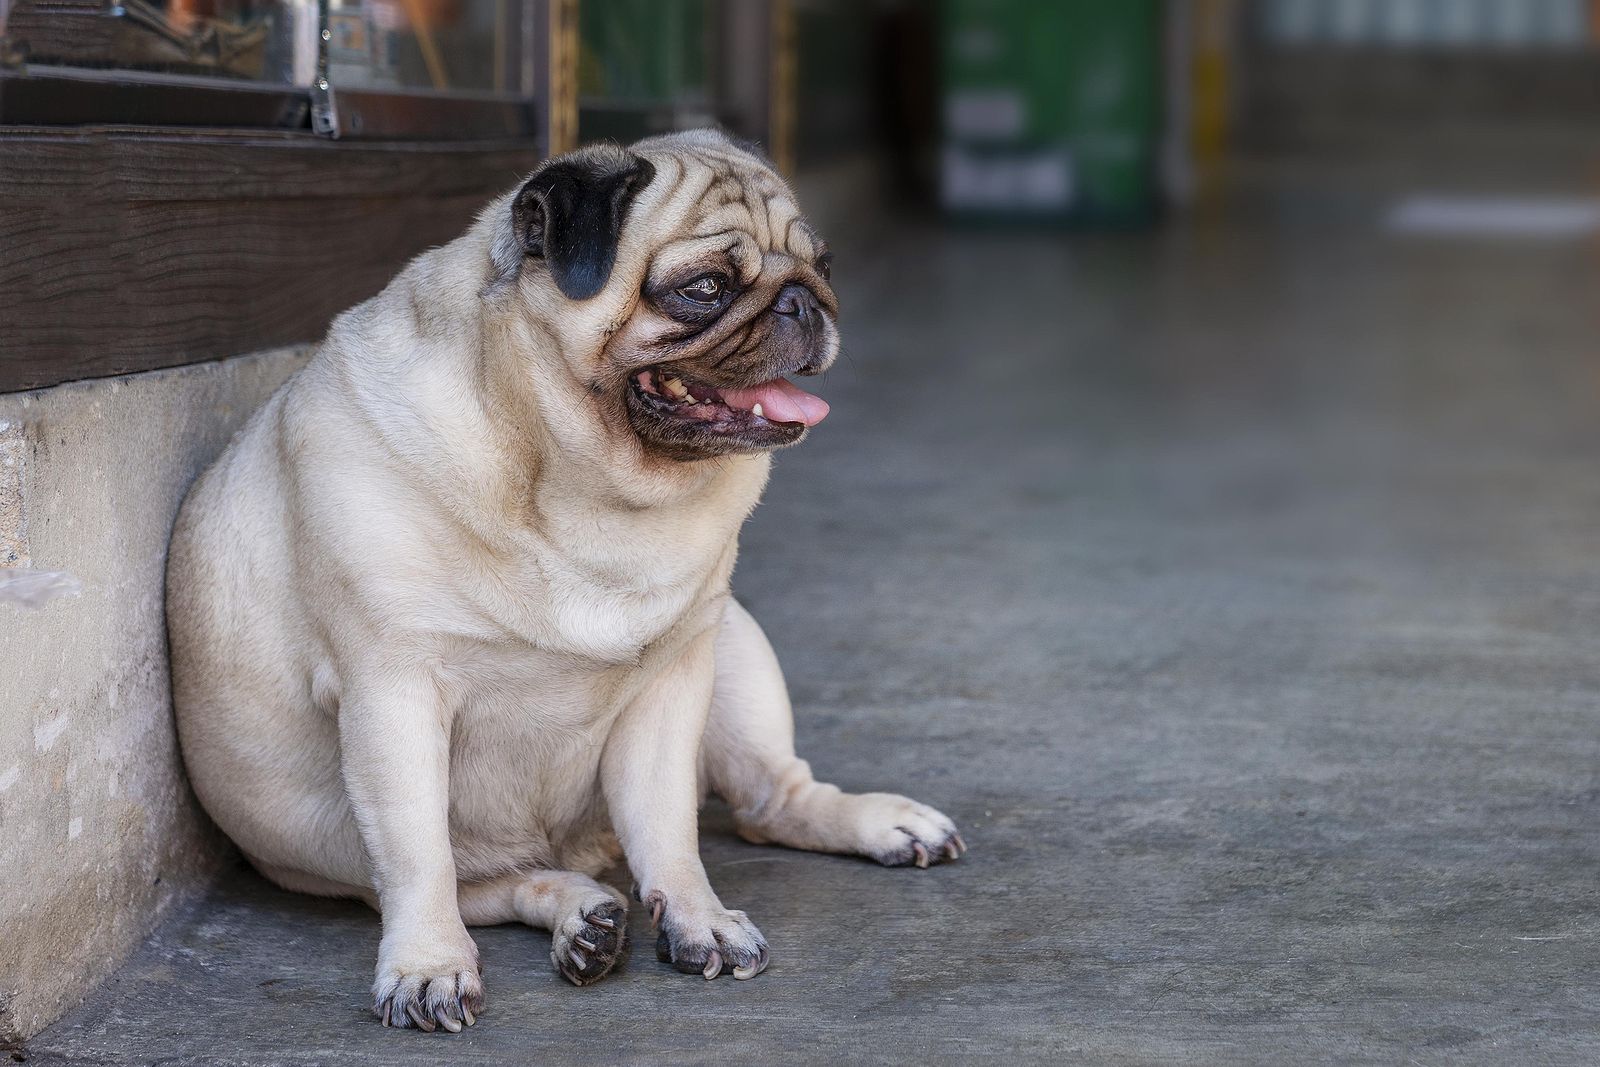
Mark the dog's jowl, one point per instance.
(450, 618)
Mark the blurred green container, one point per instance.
(1051, 108)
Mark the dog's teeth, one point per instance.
(756, 411)
(676, 388)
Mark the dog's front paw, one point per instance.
(897, 831)
(589, 944)
(707, 941)
(428, 985)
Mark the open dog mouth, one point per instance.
(778, 402)
(687, 419)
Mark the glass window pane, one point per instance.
(441, 45)
(272, 41)
(470, 46)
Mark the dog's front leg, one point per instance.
(649, 773)
(395, 756)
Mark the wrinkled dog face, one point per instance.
(729, 298)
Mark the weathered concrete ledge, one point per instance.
(98, 831)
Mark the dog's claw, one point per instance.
(467, 1016)
(713, 965)
(753, 969)
(600, 921)
(951, 851)
(962, 845)
(587, 946)
(448, 1021)
(658, 904)
(388, 1012)
(579, 958)
(921, 852)
(423, 1023)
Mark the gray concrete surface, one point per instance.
(1233, 586)
(98, 832)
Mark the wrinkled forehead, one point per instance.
(727, 204)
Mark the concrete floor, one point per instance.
(1234, 588)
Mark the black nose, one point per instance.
(797, 302)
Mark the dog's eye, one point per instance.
(825, 265)
(706, 289)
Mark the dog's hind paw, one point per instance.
(902, 833)
(586, 947)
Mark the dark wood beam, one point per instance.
(126, 250)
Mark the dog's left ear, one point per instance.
(570, 214)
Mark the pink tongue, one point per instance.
(781, 401)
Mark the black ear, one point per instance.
(570, 213)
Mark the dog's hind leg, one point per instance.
(587, 921)
(747, 757)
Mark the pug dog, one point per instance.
(450, 618)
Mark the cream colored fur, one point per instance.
(443, 636)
